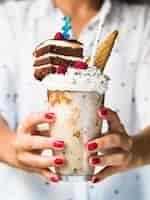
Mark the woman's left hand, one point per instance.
(115, 145)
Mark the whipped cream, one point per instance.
(61, 56)
(61, 43)
(89, 80)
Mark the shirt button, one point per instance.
(47, 183)
(116, 192)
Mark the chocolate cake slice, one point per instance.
(56, 59)
(61, 47)
(53, 54)
(40, 73)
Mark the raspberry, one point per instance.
(59, 36)
(61, 69)
(81, 65)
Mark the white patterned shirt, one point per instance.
(23, 26)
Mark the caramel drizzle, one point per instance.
(58, 97)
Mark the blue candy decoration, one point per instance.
(67, 27)
(66, 35)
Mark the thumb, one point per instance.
(113, 120)
(105, 173)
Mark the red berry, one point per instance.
(59, 36)
(81, 65)
(61, 70)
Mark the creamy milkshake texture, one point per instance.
(75, 93)
(77, 123)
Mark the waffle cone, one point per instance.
(104, 51)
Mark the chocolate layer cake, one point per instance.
(55, 60)
(61, 47)
(40, 73)
(54, 53)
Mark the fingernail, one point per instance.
(95, 161)
(50, 116)
(58, 144)
(92, 146)
(59, 161)
(103, 112)
(95, 180)
(54, 179)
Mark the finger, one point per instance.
(51, 176)
(30, 143)
(33, 120)
(44, 133)
(38, 161)
(105, 173)
(116, 159)
(42, 129)
(113, 120)
(110, 141)
(47, 173)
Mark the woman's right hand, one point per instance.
(29, 142)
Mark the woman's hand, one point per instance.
(29, 142)
(115, 145)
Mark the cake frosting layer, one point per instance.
(66, 51)
(56, 59)
(61, 43)
(77, 80)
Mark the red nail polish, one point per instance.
(59, 161)
(95, 161)
(54, 179)
(95, 180)
(50, 116)
(58, 144)
(92, 146)
(103, 112)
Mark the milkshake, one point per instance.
(75, 93)
(77, 123)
